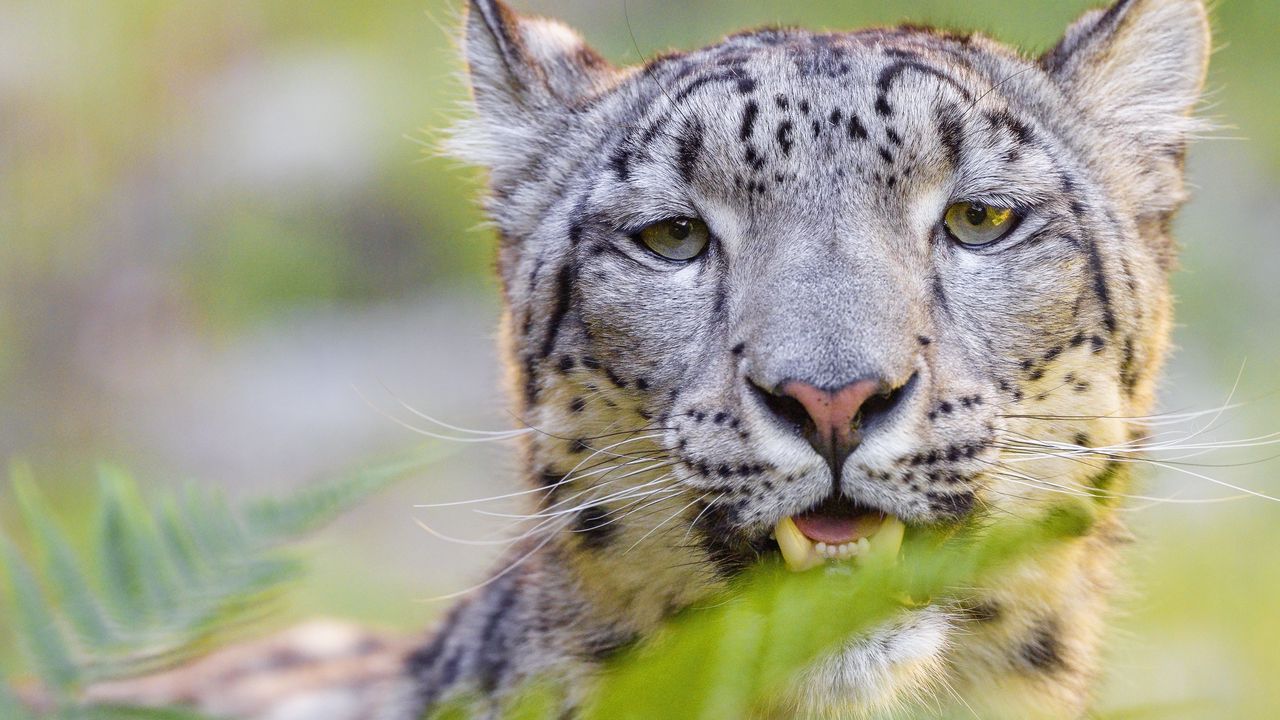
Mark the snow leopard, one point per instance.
(798, 291)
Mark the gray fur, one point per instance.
(823, 164)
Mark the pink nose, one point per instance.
(834, 433)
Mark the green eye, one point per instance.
(972, 223)
(677, 238)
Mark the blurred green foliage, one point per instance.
(164, 580)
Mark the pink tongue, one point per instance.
(836, 530)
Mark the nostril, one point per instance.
(786, 408)
(883, 403)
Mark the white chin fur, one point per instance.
(880, 673)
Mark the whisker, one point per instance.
(673, 516)
(495, 577)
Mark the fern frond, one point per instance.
(37, 629)
(167, 577)
(70, 586)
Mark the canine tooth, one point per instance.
(863, 546)
(821, 548)
(887, 541)
(797, 550)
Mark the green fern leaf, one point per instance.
(274, 520)
(37, 627)
(175, 575)
(61, 567)
(180, 546)
(120, 562)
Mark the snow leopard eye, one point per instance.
(972, 223)
(677, 239)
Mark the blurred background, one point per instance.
(229, 255)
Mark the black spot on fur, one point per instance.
(728, 552)
(894, 138)
(857, 131)
(883, 109)
(749, 115)
(549, 478)
(986, 611)
(577, 405)
(784, 137)
(602, 648)
(1043, 650)
(951, 505)
(1106, 479)
(615, 378)
(621, 163)
(1128, 371)
(593, 528)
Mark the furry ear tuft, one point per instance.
(1138, 67)
(1136, 71)
(521, 70)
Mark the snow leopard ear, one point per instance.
(1138, 67)
(520, 67)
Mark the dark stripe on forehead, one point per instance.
(690, 149)
(890, 74)
(1019, 129)
(950, 133)
(745, 84)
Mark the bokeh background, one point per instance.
(229, 255)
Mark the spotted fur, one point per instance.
(822, 164)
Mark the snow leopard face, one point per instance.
(792, 269)
(795, 288)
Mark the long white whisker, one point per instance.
(673, 516)
(494, 578)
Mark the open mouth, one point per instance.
(837, 531)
